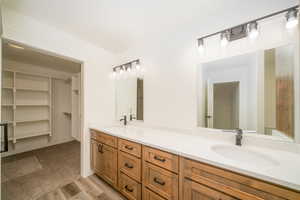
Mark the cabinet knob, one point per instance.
(128, 188)
(159, 158)
(159, 181)
(100, 148)
(129, 147)
(128, 165)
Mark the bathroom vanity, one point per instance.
(152, 164)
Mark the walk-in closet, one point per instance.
(41, 98)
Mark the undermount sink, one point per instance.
(245, 156)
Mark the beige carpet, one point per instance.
(20, 168)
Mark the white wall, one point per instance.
(172, 65)
(98, 96)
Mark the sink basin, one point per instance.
(245, 156)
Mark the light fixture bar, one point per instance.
(125, 64)
(255, 20)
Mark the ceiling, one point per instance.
(34, 57)
(117, 25)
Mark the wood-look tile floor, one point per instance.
(51, 173)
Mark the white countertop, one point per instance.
(199, 147)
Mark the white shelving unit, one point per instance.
(26, 104)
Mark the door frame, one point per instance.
(210, 100)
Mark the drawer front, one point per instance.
(195, 191)
(129, 187)
(130, 147)
(234, 184)
(163, 182)
(104, 138)
(149, 195)
(163, 159)
(130, 165)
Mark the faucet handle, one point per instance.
(239, 131)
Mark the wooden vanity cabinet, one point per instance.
(160, 174)
(104, 160)
(129, 169)
(196, 175)
(145, 173)
(195, 191)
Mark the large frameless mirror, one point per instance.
(130, 98)
(255, 92)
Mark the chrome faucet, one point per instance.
(238, 137)
(124, 119)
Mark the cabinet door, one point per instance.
(196, 191)
(109, 159)
(96, 157)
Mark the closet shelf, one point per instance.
(32, 89)
(29, 135)
(7, 105)
(32, 105)
(31, 120)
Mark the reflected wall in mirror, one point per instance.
(255, 92)
(130, 98)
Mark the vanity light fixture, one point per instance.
(239, 31)
(225, 36)
(127, 70)
(291, 19)
(252, 30)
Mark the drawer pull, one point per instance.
(128, 188)
(159, 181)
(128, 165)
(129, 147)
(159, 158)
(100, 148)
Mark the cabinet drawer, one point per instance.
(129, 187)
(130, 165)
(104, 138)
(163, 182)
(195, 191)
(234, 184)
(163, 159)
(130, 147)
(149, 195)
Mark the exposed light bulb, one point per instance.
(253, 30)
(113, 75)
(200, 45)
(137, 65)
(291, 19)
(224, 38)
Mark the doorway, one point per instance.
(41, 97)
(224, 105)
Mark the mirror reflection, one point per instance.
(130, 98)
(254, 92)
